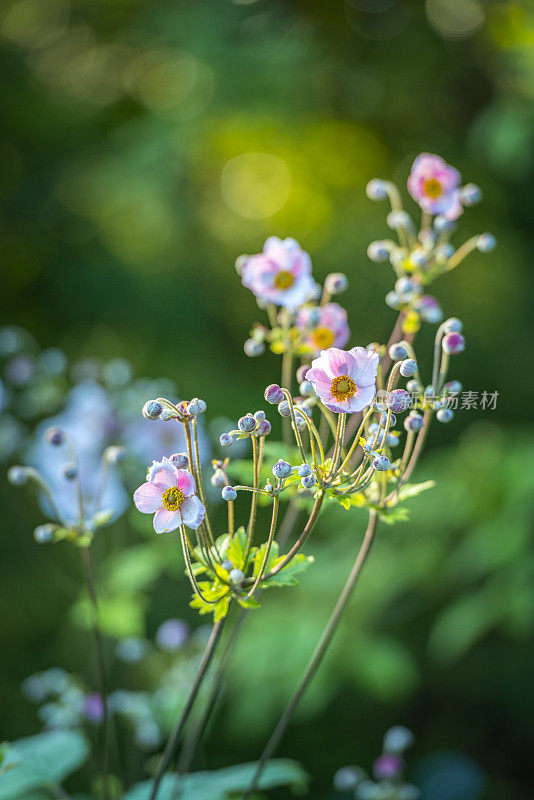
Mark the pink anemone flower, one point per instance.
(345, 380)
(281, 274)
(169, 494)
(435, 186)
(323, 327)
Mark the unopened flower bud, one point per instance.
(55, 436)
(264, 428)
(306, 389)
(304, 470)
(428, 308)
(240, 264)
(381, 463)
(408, 368)
(237, 576)
(274, 394)
(445, 415)
(470, 194)
(453, 387)
(44, 533)
(196, 407)
(247, 424)
(453, 343)
(486, 242)
(253, 348)
(152, 409)
(392, 440)
(453, 325)
(444, 252)
(373, 428)
(180, 460)
(388, 766)
(398, 352)
(412, 387)
(17, 475)
(399, 219)
(377, 251)
(397, 739)
(413, 422)
(226, 439)
(228, 493)
(284, 408)
(444, 225)
(418, 258)
(393, 300)
(259, 416)
(308, 481)
(376, 189)
(336, 283)
(301, 372)
(227, 565)
(384, 420)
(282, 469)
(70, 471)
(398, 400)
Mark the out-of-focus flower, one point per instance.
(435, 186)
(93, 707)
(323, 326)
(172, 634)
(281, 274)
(345, 380)
(169, 494)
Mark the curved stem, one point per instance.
(180, 723)
(320, 650)
(101, 665)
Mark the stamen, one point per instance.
(172, 498)
(284, 279)
(323, 337)
(433, 188)
(343, 387)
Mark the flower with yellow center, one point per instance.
(343, 387)
(169, 494)
(284, 279)
(323, 337)
(172, 498)
(433, 188)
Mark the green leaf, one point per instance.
(413, 489)
(220, 784)
(392, 515)
(221, 609)
(287, 576)
(40, 761)
(260, 555)
(237, 548)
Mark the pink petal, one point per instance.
(363, 397)
(193, 512)
(185, 482)
(338, 362)
(166, 476)
(166, 521)
(366, 366)
(148, 497)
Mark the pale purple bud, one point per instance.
(282, 469)
(398, 400)
(376, 189)
(226, 439)
(486, 242)
(408, 368)
(152, 409)
(388, 766)
(247, 424)
(453, 343)
(336, 283)
(274, 394)
(180, 460)
(381, 463)
(229, 494)
(445, 415)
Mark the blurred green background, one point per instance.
(144, 146)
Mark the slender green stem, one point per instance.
(180, 723)
(100, 663)
(270, 540)
(195, 733)
(318, 654)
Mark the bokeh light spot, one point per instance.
(255, 185)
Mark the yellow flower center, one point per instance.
(343, 387)
(284, 279)
(433, 188)
(172, 498)
(323, 338)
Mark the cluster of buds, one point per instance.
(419, 256)
(387, 781)
(164, 410)
(248, 426)
(91, 513)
